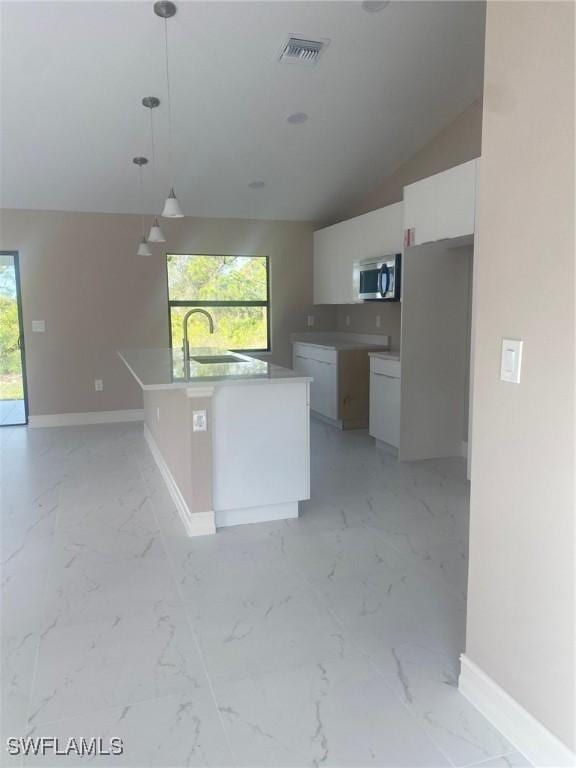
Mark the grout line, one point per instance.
(496, 757)
(188, 619)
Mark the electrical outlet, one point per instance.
(38, 326)
(378, 321)
(310, 321)
(199, 422)
(98, 385)
(347, 320)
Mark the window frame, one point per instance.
(217, 303)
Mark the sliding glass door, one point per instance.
(13, 403)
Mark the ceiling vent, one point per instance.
(301, 50)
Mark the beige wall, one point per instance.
(521, 617)
(363, 319)
(188, 454)
(457, 143)
(80, 274)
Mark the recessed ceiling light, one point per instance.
(297, 118)
(257, 184)
(373, 6)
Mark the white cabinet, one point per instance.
(442, 206)
(385, 400)
(336, 248)
(340, 386)
(322, 366)
(324, 388)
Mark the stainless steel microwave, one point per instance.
(379, 279)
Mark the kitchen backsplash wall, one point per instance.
(363, 318)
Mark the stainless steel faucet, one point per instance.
(186, 345)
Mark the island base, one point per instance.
(264, 514)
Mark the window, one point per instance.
(234, 289)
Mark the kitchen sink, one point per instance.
(207, 359)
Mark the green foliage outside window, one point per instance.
(10, 361)
(233, 289)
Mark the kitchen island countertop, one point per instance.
(165, 368)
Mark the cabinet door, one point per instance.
(456, 201)
(420, 210)
(324, 388)
(334, 253)
(385, 408)
(380, 232)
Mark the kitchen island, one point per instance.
(229, 433)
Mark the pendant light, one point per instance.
(151, 102)
(143, 249)
(166, 10)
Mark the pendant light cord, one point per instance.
(142, 202)
(152, 143)
(170, 163)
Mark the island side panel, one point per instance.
(187, 455)
(261, 449)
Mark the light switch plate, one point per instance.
(511, 360)
(38, 326)
(199, 421)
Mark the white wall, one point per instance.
(521, 615)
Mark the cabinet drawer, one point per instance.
(379, 365)
(311, 352)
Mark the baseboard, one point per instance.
(264, 514)
(80, 419)
(528, 735)
(195, 523)
(325, 419)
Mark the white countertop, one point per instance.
(392, 354)
(343, 341)
(165, 368)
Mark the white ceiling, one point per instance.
(73, 75)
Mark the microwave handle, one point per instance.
(383, 271)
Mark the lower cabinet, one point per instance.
(385, 400)
(339, 390)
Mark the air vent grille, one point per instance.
(301, 50)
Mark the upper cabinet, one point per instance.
(441, 206)
(336, 248)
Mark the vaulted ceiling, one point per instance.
(74, 74)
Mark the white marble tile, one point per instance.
(87, 585)
(333, 638)
(18, 656)
(333, 713)
(183, 730)
(115, 661)
(247, 631)
(430, 691)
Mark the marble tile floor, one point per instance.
(330, 640)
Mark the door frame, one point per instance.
(16, 256)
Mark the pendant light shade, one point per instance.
(156, 235)
(144, 249)
(172, 208)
